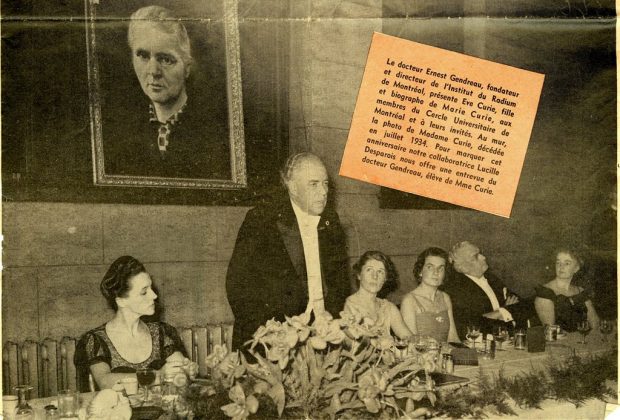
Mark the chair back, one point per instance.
(200, 341)
(48, 365)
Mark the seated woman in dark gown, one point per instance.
(564, 301)
(125, 343)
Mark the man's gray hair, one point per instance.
(456, 262)
(293, 163)
(165, 21)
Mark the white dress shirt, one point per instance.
(310, 239)
(483, 283)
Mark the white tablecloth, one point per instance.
(513, 362)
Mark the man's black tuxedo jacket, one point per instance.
(267, 272)
(469, 303)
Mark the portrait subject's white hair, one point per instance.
(165, 21)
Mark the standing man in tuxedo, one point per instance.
(290, 256)
(480, 298)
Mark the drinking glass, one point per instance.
(584, 328)
(500, 334)
(23, 410)
(401, 346)
(146, 377)
(9, 404)
(606, 328)
(473, 332)
(421, 344)
(68, 403)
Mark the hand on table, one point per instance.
(176, 365)
(511, 300)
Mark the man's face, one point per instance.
(158, 64)
(471, 261)
(308, 186)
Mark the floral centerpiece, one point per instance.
(332, 367)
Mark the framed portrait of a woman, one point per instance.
(165, 98)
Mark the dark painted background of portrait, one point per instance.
(46, 144)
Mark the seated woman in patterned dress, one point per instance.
(427, 310)
(373, 271)
(565, 300)
(125, 343)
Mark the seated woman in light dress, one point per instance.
(125, 343)
(565, 300)
(427, 310)
(372, 272)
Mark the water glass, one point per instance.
(584, 328)
(473, 332)
(606, 328)
(68, 403)
(9, 404)
(130, 384)
(520, 340)
(146, 377)
(500, 334)
(402, 347)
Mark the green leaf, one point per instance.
(431, 397)
(278, 396)
(332, 358)
(331, 376)
(352, 405)
(272, 367)
(372, 405)
(338, 387)
(414, 395)
(409, 405)
(406, 364)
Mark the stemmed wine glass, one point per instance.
(584, 328)
(473, 332)
(500, 334)
(23, 411)
(401, 344)
(420, 343)
(606, 328)
(146, 377)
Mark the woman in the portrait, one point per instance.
(175, 133)
(427, 310)
(373, 272)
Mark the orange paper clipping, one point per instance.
(441, 124)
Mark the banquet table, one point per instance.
(513, 362)
(38, 404)
(510, 361)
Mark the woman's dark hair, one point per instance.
(421, 260)
(116, 283)
(391, 275)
